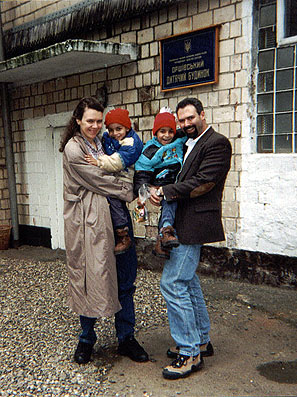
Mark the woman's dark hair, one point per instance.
(190, 101)
(72, 127)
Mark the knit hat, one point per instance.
(164, 119)
(119, 116)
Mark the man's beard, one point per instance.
(193, 134)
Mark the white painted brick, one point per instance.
(138, 81)
(163, 15)
(163, 30)
(145, 36)
(202, 20)
(123, 84)
(182, 25)
(137, 109)
(223, 114)
(182, 9)
(155, 18)
(131, 82)
(235, 96)
(225, 31)
(147, 79)
(224, 97)
(114, 72)
(214, 4)
(241, 112)
(129, 69)
(226, 81)
(226, 47)
(208, 116)
(173, 103)
(246, 61)
(230, 209)
(145, 51)
(235, 62)
(213, 98)
(241, 45)
(129, 37)
(241, 78)
(155, 78)
(146, 65)
(164, 103)
(224, 14)
(202, 6)
(146, 123)
(192, 7)
(154, 49)
(130, 109)
(155, 107)
(235, 29)
(245, 95)
(224, 64)
(130, 96)
(224, 2)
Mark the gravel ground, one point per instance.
(253, 331)
(39, 333)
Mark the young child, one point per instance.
(160, 162)
(122, 147)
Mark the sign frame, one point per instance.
(183, 42)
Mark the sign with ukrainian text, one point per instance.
(189, 59)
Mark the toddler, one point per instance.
(159, 164)
(122, 147)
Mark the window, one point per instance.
(277, 81)
(286, 21)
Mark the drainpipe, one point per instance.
(8, 149)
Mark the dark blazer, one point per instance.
(199, 190)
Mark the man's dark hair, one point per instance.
(190, 101)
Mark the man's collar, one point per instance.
(192, 141)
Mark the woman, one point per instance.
(89, 236)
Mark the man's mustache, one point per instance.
(189, 127)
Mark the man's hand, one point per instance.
(155, 198)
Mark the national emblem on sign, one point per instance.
(188, 45)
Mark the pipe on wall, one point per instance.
(8, 149)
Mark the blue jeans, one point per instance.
(125, 318)
(187, 312)
(167, 216)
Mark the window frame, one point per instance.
(280, 26)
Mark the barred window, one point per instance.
(277, 79)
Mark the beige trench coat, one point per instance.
(89, 237)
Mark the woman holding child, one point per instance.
(100, 284)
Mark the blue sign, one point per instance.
(189, 59)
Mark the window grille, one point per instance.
(277, 84)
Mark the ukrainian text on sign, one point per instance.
(189, 59)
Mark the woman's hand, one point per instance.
(90, 159)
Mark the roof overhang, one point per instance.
(64, 59)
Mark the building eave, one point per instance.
(65, 58)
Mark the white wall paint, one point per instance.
(268, 205)
(41, 171)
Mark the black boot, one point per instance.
(83, 353)
(132, 349)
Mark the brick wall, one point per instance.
(136, 85)
(15, 13)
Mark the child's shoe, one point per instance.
(159, 251)
(169, 239)
(123, 241)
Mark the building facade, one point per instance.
(253, 103)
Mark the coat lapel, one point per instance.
(187, 164)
